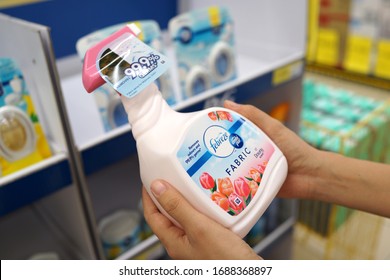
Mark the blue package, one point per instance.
(203, 41)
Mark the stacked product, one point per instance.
(343, 122)
(340, 121)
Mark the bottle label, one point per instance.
(226, 156)
(129, 65)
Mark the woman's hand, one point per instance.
(199, 238)
(303, 160)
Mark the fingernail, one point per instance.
(158, 188)
(231, 104)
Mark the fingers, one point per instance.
(165, 230)
(152, 214)
(268, 124)
(175, 204)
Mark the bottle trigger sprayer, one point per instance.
(223, 164)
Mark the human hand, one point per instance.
(199, 238)
(303, 160)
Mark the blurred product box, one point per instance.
(333, 25)
(22, 139)
(340, 121)
(203, 42)
(350, 39)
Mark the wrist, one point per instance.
(326, 176)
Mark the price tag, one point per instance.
(287, 73)
(358, 54)
(382, 67)
(328, 47)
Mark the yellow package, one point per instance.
(22, 140)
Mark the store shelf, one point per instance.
(363, 79)
(274, 235)
(34, 182)
(19, 243)
(44, 226)
(152, 248)
(151, 244)
(40, 205)
(52, 173)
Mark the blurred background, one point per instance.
(322, 67)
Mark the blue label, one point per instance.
(236, 141)
(129, 65)
(226, 157)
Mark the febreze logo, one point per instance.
(216, 140)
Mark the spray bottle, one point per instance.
(223, 164)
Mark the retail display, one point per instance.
(341, 121)
(253, 167)
(107, 100)
(119, 231)
(351, 39)
(41, 214)
(333, 22)
(22, 141)
(203, 41)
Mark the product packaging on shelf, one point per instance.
(119, 232)
(364, 18)
(203, 42)
(22, 140)
(224, 165)
(107, 100)
(341, 121)
(333, 29)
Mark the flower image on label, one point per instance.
(226, 157)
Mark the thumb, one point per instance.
(175, 204)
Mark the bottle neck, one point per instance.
(145, 109)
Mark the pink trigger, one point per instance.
(91, 76)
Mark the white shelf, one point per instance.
(39, 166)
